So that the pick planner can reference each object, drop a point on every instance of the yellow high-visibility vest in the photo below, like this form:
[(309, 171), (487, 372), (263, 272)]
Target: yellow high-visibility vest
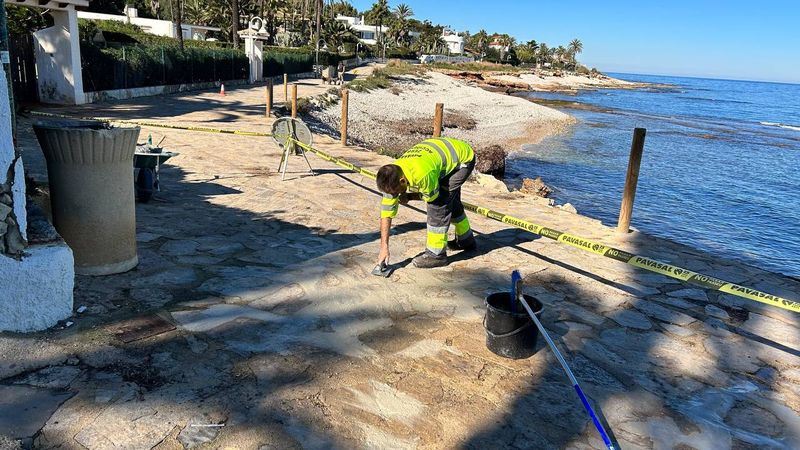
[(424, 164)]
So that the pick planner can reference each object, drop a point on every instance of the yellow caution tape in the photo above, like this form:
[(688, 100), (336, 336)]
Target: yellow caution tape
[(597, 248), (153, 124), (643, 262)]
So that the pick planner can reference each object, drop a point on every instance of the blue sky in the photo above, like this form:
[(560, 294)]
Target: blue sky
[(754, 40)]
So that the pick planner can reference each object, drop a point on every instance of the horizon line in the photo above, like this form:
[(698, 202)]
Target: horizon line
[(706, 77)]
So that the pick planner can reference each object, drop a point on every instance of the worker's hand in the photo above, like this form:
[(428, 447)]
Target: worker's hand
[(383, 256), (406, 197)]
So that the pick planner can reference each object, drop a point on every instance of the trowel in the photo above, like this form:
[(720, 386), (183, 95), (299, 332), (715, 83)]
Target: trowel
[(382, 270)]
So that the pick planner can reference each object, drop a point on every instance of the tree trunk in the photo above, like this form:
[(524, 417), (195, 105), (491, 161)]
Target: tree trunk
[(177, 13), (235, 25), (319, 22)]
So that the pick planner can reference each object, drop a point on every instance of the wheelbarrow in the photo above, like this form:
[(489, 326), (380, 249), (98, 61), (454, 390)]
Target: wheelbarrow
[(148, 159)]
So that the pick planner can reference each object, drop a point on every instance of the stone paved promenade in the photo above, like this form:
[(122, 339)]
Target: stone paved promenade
[(252, 322)]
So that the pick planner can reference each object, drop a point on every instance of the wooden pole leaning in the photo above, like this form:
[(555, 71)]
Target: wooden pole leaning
[(345, 106), (631, 180), (294, 101), (437, 120)]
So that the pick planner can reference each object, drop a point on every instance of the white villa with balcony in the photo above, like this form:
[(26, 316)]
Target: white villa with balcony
[(367, 34)]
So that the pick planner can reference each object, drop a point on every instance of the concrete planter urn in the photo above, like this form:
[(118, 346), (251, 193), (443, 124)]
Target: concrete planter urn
[(90, 169)]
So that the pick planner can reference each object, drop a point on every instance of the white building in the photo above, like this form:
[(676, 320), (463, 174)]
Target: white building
[(152, 26), (367, 34), (455, 43)]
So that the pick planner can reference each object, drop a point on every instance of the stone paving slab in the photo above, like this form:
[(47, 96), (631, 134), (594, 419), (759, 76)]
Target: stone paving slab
[(282, 334)]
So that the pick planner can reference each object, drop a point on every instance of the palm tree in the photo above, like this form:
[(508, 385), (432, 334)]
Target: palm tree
[(378, 13), (318, 6), (344, 8), (235, 22), (403, 11), (480, 41), (575, 47), (399, 27), (337, 33), (176, 17), (270, 16), (544, 53)]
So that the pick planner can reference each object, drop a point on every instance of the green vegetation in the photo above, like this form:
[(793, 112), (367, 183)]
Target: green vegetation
[(502, 48)]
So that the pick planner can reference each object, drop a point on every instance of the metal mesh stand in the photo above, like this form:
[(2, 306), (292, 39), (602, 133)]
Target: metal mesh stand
[(290, 147)]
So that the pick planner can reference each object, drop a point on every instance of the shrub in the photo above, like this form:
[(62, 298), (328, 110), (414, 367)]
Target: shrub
[(395, 68), (374, 81)]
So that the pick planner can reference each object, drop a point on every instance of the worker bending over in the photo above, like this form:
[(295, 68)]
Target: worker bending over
[(434, 170)]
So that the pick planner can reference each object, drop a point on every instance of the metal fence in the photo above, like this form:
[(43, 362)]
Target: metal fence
[(128, 67)]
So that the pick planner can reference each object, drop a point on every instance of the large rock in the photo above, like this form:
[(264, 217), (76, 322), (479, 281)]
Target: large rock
[(535, 187), (491, 161), (491, 183)]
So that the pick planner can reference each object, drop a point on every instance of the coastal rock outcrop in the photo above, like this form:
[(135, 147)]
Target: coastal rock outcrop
[(535, 187), (491, 161)]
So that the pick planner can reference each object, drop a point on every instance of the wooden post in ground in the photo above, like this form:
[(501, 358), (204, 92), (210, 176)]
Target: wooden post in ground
[(631, 179), (345, 98), (294, 101), (286, 88), (437, 120), (268, 94)]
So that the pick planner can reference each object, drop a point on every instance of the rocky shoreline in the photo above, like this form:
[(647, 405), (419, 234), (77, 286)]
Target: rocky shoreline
[(541, 81)]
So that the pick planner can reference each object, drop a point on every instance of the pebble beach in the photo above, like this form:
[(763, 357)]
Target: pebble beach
[(395, 118)]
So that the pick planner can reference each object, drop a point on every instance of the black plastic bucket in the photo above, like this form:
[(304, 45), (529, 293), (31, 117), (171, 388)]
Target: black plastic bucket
[(511, 334)]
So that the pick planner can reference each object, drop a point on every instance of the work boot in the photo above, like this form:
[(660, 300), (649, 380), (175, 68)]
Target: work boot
[(428, 260), (468, 245)]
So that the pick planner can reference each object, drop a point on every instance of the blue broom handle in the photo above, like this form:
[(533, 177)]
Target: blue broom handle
[(566, 368)]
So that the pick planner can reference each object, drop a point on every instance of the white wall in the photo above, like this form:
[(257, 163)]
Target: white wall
[(36, 288), (455, 43), (58, 60), (151, 26)]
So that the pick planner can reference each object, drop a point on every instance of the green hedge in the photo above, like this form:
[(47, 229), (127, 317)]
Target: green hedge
[(280, 60), (141, 66), (278, 63)]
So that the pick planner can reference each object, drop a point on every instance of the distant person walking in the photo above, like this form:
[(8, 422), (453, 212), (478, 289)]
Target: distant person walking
[(434, 169), (340, 72)]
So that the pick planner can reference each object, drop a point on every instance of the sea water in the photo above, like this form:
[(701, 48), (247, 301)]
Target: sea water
[(720, 170)]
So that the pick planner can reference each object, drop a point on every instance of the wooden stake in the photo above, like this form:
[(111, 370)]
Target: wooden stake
[(268, 93), (437, 120), (285, 88), (294, 101), (345, 98), (631, 179)]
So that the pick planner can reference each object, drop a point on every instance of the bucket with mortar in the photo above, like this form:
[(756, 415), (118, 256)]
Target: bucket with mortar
[(510, 332)]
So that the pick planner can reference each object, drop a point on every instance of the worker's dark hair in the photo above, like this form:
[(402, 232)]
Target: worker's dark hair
[(389, 178)]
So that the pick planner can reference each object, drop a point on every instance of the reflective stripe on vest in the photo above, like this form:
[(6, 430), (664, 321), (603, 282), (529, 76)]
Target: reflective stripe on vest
[(438, 150), (431, 143)]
